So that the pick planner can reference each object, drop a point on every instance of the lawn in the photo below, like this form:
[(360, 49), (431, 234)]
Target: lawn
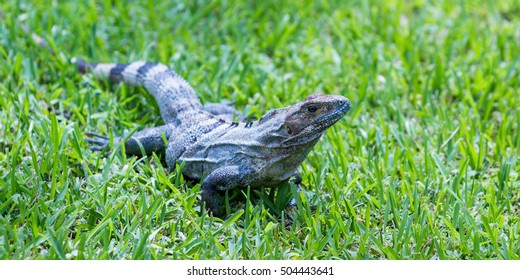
[(424, 166)]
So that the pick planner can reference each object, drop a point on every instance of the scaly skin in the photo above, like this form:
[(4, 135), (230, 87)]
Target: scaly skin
[(221, 153)]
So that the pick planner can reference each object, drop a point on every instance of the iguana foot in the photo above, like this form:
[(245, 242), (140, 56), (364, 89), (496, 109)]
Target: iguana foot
[(297, 180), (97, 142), (210, 199), (292, 203)]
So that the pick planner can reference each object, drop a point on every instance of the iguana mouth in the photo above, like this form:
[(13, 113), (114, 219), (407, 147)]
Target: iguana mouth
[(329, 119)]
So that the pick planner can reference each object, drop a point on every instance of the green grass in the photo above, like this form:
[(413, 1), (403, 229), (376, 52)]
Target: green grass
[(424, 166)]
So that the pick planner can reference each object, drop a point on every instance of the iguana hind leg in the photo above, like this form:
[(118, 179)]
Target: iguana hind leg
[(224, 111), (149, 139)]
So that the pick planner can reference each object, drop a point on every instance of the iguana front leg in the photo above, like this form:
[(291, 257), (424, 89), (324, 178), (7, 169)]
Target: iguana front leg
[(223, 178), (151, 140), (297, 180)]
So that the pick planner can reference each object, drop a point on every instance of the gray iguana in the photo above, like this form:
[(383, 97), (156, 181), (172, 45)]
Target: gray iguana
[(222, 153)]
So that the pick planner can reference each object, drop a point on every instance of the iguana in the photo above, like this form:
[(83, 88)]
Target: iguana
[(222, 153)]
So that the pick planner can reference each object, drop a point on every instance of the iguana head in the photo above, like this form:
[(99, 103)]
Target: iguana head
[(305, 122)]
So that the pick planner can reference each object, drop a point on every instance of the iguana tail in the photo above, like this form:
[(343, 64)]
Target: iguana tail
[(172, 93)]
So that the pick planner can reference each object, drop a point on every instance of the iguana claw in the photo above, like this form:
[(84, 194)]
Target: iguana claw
[(97, 142)]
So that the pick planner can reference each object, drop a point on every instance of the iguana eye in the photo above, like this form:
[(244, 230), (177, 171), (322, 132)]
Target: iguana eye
[(312, 108), (288, 129)]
